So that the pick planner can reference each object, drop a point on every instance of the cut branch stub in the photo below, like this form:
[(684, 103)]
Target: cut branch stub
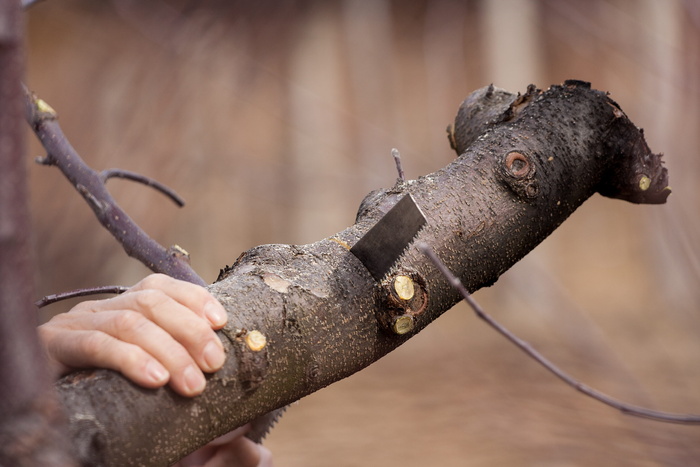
[(405, 297), (639, 175), (322, 312)]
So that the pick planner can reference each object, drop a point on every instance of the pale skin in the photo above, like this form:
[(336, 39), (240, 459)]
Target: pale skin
[(160, 331)]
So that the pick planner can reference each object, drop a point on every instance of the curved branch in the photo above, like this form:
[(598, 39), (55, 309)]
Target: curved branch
[(542, 360), (135, 177), (90, 184)]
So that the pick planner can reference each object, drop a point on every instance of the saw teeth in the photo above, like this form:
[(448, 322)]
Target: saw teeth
[(396, 267), (261, 426)]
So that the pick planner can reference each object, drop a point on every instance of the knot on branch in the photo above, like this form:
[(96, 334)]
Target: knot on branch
[(517, 171), (250, 348)]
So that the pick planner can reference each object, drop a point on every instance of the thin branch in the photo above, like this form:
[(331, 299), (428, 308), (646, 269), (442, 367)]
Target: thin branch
[(528, 349), (399, 167), (105, 289), (135, 177), (90, 184)]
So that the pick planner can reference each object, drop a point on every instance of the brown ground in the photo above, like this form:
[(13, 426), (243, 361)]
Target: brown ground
[(273, 119)]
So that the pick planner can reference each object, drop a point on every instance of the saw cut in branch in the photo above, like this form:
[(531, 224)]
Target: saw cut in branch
[(528, 349), (304, 316), (91, 185)]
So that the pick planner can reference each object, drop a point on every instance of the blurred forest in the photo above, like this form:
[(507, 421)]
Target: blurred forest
[(273, 119)]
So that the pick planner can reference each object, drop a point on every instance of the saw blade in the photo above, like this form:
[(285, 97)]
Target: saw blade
[(385, 242), (261, 426)]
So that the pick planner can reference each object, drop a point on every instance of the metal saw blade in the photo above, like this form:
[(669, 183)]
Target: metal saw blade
[(261, 426), (384, 243)]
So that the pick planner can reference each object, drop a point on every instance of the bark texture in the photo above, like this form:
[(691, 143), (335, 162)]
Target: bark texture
[(526, 162)]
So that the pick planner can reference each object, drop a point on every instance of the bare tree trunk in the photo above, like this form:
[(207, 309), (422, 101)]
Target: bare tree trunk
[(527, 162), (29, 413)]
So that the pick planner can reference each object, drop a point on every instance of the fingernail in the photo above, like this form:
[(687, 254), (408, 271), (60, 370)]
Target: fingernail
[(214, 355), (215, 314), (194, 380), (156, 372)]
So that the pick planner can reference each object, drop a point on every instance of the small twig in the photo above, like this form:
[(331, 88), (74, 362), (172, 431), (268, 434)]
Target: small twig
[(527, 348), (44, 160), (397, 160), (134, 177), (105, 289)]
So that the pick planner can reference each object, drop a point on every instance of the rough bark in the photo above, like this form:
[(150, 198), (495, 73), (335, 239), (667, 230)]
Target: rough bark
[(30, 417), (526, 163)]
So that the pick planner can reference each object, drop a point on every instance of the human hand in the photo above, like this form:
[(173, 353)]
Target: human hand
[(230, 450), (160, 330)]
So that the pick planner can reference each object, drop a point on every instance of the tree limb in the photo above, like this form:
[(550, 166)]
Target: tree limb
[(30, 416), (303, 317)]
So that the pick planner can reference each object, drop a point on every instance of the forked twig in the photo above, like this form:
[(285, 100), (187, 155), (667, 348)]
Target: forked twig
[(90, 184), (57, 297), (528, 349)]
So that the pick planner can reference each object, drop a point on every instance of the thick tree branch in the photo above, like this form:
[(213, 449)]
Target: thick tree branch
[(90, 184), (303, 317)]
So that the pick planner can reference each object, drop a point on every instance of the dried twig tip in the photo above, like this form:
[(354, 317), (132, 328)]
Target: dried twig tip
[(397, 160)]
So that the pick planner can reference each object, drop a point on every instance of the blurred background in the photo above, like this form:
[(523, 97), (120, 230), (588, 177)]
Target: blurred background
[(273, 119)]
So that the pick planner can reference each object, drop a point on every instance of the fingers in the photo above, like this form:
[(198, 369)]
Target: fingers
[(184, 352), (192, 296), (230, 450), (72, 349), (158, 331), (161, 313)]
